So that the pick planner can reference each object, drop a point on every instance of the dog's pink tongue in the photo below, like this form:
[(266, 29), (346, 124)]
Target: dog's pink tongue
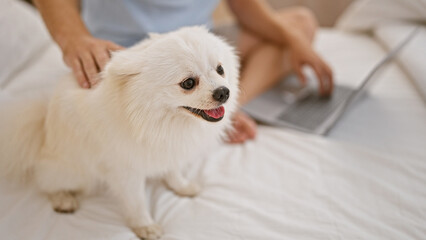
[(216, 113)]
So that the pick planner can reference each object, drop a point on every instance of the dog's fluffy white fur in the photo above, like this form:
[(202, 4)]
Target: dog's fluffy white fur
[(130, 127)]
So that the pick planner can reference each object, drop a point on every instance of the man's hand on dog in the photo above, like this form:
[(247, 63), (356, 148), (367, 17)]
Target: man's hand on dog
[(87, 56)]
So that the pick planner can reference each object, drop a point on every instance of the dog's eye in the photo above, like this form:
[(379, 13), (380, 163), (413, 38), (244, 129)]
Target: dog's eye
[(220, 70), (188, 84)]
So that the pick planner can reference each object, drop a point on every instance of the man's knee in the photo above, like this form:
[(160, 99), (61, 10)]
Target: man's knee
[(303, 17)]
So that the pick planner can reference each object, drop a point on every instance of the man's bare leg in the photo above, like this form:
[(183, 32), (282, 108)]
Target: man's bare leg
[(264, 64)]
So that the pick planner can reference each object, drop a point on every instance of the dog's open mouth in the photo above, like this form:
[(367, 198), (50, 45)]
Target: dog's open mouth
[(211, 115)]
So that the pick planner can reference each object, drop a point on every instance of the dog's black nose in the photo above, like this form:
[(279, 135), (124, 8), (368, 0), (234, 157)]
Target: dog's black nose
[(221, 94)]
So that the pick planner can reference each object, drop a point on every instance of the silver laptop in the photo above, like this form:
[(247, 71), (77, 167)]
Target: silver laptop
[(303, 109)]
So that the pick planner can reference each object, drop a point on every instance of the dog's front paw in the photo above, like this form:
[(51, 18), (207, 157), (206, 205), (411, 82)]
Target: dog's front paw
[(190, 190), (150, 232)]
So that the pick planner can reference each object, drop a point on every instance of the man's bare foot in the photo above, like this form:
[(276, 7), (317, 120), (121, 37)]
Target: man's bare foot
[(244, 128)]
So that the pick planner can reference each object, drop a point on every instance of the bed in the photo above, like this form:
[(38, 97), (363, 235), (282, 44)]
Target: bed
[(365, 180)]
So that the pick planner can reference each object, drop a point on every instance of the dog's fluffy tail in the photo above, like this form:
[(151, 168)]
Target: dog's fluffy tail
[(21, 134)]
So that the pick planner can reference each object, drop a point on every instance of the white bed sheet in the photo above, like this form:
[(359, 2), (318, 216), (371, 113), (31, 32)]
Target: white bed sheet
[(364, 181)]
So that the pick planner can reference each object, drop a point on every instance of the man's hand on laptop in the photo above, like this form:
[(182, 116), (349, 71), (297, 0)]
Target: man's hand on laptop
[(302, 54)]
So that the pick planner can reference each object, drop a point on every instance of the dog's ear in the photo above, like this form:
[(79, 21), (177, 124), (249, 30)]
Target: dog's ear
[(124, 63), (130, 61), (154, 36)]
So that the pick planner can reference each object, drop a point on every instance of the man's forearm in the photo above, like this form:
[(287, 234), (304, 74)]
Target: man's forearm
[(62, 18), (258, 17)]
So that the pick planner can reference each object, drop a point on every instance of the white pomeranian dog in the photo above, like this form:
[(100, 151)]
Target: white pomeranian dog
[(159, 103)]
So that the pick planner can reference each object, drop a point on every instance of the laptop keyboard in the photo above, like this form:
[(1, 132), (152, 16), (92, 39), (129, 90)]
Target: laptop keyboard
[(312, 111)]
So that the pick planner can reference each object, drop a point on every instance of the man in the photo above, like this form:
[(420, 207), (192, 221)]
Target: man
[(271, 43)]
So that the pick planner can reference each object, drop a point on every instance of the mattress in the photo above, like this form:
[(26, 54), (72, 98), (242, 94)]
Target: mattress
[(365, 180)]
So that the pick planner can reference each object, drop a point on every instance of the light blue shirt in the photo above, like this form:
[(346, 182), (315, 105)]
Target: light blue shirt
[(126, 22)]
